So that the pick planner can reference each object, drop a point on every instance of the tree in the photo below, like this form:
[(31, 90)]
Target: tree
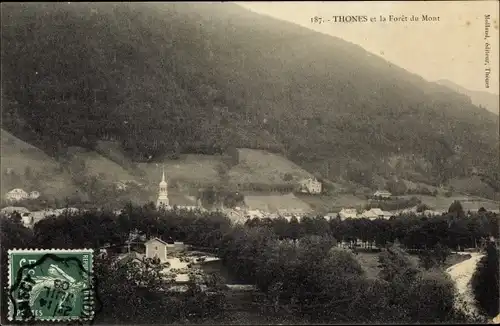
[(90, 229), (308, 279), (456, 209), (209, 197), (485, 282), (382, 231), (434, 257), (396, 264), (223, 173), (280, 227), (287, 177), (28, 175), (150, 291), (240, 249), (121, 284), (294, 229), (176, 151), (430, 298), (441, 253)]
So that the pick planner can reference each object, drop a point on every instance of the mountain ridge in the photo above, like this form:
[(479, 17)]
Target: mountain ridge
[(487, 100)]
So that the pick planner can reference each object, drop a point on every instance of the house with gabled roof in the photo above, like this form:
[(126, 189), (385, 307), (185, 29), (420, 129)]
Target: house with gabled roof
[(156, 249)]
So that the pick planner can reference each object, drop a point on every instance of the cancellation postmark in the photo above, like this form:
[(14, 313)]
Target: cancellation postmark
[(51, 285)]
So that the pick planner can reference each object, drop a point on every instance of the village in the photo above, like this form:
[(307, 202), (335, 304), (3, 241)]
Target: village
[(255, 205), (178, 257)]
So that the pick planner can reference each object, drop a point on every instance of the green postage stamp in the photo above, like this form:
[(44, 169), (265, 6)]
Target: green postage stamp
[(51, 285)]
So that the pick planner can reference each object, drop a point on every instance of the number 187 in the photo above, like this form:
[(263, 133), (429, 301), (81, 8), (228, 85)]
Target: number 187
[(316, 19)]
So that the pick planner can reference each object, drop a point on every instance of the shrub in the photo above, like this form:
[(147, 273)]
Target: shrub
[(287, 177)]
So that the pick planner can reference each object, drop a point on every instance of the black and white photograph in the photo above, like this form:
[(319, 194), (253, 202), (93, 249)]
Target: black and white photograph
[(237, 163)]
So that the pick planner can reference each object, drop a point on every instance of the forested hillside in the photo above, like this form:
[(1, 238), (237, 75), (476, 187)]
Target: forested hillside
[(200, 78), (487, 100)]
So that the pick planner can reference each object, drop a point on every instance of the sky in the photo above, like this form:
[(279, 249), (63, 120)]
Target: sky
[(452, 48)]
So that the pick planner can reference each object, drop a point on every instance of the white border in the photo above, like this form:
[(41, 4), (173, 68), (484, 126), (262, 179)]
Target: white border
[(10, 316)]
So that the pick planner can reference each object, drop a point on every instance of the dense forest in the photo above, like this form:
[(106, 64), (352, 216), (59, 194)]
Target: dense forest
[(201, 78)]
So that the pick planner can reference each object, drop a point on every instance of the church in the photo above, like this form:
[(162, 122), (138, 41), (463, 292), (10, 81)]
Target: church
[(162, 201), (168, 201)]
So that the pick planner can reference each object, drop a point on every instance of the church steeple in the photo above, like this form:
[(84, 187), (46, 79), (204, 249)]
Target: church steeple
[(163, 182), (162, 201)]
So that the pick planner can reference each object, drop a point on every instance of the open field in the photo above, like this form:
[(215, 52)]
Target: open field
[(369, 262), (18, 155), (189, 169), (274, 203), (258, 166), (255, 166), (333, 203), (96, 164)]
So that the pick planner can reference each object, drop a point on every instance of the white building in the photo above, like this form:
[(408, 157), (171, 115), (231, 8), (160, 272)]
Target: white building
[(311, 186), (162, 201), (16, 195), (156, 248), (348, 213), (382, 194)]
